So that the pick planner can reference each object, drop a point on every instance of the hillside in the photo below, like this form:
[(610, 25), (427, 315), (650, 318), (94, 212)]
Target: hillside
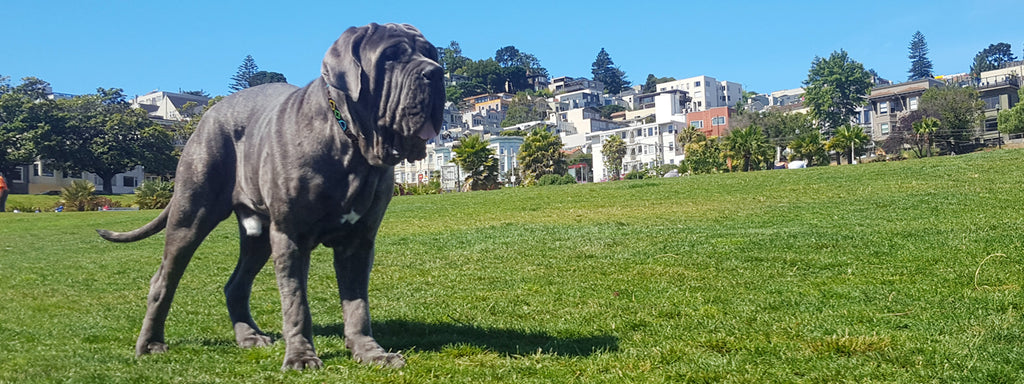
[(893, 272)]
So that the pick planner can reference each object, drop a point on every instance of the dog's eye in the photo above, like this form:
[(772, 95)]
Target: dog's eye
[(396, 51)]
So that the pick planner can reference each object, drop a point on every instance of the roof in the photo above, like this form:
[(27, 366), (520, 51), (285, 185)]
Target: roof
[(917, 86)]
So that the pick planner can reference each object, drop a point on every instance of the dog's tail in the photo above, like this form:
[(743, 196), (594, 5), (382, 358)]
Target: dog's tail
[(147, 230)]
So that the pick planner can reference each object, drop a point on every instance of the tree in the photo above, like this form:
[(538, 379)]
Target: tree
[(541, 154), (524, 108), (102, 134), (264, 77), (197, 93), (902, 135), (507, 56), (477, 159), (991, 58), (959, 110), (835, 87), (651, 85), (810, 147), (750, 145), (703, 155), (1012, 120), (688, 135), (184, 131), (605, 71), (23, 111), (847, 140), (451, 58), (920, 65), (613, 150), (925, 129), (245, 71), (608, 110)]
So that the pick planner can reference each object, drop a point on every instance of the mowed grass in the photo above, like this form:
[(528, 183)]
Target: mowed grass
[(891, 272)]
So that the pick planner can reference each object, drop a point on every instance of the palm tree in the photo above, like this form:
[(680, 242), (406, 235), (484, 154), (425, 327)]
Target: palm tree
[(541, 154), (847, 137), (811, 147), (474, 156), (926, 127), (748, 143), (686, 136)]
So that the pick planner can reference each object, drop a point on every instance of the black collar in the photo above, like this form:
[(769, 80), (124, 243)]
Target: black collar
[(337, 115)]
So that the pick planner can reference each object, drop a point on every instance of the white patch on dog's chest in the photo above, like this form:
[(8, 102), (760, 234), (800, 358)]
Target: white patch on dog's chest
[(351, 217)]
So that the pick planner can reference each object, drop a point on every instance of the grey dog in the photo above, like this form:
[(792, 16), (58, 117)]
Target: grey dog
[(301, 167)]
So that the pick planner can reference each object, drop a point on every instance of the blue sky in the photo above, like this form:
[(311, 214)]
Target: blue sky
[(141, 46)]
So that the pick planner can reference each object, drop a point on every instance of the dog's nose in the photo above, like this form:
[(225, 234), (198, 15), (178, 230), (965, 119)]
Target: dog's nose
[(432, 73)]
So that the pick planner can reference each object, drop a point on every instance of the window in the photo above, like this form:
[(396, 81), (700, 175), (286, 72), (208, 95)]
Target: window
[(883, 107), (697, 124), (991, 125), (128, 181), (17, 176), (723, 98), (696, 84), (718, 120), (885, 128), (671, 129), (650, 131), (912, 103)]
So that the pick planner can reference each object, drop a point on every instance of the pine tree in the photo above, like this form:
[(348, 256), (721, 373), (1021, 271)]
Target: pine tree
[(605, 71), (240, 80), (920, 66)]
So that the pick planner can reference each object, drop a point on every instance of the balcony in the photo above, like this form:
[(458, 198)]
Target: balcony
[(1005, 82)]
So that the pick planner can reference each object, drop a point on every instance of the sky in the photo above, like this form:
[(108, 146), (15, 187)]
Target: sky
[(142, 46)]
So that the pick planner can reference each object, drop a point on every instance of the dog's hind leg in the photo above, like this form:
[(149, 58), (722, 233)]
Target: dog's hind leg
[(187, 226), (254, 253)]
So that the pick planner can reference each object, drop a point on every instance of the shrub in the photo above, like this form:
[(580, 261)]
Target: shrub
[(79, 196), (552, 179), (431, 187), (154, 194)]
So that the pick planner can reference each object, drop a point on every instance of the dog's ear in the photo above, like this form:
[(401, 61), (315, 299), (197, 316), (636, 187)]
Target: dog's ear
[(341, 68)]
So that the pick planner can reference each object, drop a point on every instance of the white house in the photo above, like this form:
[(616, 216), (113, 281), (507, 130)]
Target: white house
[(163, 107), (706, 92), (647, 146)]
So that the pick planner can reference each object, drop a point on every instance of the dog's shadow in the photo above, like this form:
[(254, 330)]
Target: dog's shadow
[(403, 335)]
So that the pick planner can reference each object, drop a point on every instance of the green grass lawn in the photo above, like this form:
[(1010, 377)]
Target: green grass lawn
[(890, 272)]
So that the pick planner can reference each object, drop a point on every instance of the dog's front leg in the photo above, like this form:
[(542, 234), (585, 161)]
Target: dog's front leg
[(291, 264), (352, 268)]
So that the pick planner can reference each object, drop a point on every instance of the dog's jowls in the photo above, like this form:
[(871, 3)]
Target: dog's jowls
[(296, 177)]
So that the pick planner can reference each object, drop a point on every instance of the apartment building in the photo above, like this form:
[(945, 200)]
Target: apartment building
[(647, 146), (711, 122), (889, 103), (706, 92)]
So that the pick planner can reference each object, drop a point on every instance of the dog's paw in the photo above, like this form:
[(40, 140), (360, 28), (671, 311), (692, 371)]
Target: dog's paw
[(254, 340), (383, 359), (301, 361), (150, 348), (387, 360)]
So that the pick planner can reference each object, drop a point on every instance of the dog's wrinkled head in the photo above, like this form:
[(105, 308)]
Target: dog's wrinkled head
[(391, 76)]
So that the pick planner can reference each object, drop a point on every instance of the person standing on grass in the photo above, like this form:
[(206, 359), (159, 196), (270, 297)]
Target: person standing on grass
[(3, 194)]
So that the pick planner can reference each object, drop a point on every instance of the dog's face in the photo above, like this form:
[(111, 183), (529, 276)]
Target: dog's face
[(391, 71)]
